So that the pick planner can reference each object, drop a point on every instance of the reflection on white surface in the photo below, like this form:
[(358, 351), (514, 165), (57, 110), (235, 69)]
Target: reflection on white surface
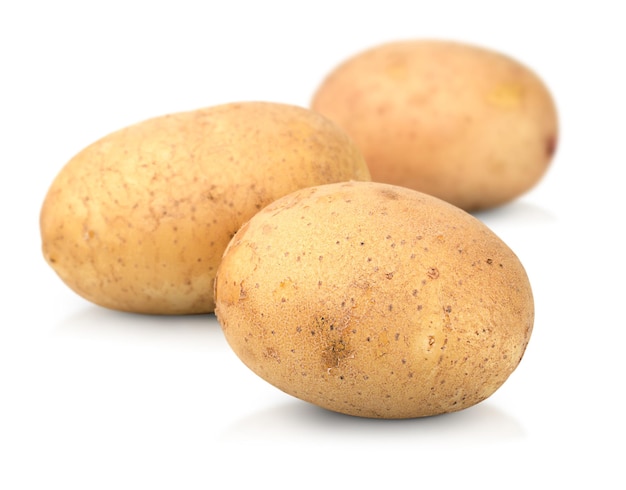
[(300, 421)]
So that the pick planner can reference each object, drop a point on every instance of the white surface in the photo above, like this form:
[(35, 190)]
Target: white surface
[(94, 399)]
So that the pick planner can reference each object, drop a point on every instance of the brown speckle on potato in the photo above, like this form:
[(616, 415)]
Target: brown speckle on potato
[(433, 273)]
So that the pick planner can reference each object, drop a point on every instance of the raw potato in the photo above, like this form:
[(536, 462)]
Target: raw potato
[(374, 300), (461, 122), (138, 221)]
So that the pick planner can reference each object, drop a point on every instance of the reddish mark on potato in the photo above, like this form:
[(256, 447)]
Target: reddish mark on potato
[(551, 144)]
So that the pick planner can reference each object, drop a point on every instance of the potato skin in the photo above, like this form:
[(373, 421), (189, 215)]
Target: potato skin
[(461, 122), (374, 300), (138, 220)]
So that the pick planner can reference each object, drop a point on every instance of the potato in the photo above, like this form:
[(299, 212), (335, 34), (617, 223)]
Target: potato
[(138, 220), (374, 300), (461, 122)]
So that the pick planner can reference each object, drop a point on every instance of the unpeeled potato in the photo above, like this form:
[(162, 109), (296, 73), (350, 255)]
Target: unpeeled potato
[(464, 123), (138, 220), (374, 300)]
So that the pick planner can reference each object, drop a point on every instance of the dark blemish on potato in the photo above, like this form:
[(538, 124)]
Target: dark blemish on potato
[(433, 273), (335, 352), (390, 307), (321, 257), (419, 307), (389, 194), (551, 144), (448, 309), (431, 341), (272, 354), (368, 339), (362, 243), (397, 336), (414, 292), (389, 275), (490, 261)]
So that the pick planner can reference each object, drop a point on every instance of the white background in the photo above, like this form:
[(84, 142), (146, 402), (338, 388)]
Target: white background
[(94, 399)]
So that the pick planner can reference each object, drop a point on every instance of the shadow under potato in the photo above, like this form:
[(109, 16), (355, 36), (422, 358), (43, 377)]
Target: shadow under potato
[(518, 212), (97, 323), (298, 421)]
